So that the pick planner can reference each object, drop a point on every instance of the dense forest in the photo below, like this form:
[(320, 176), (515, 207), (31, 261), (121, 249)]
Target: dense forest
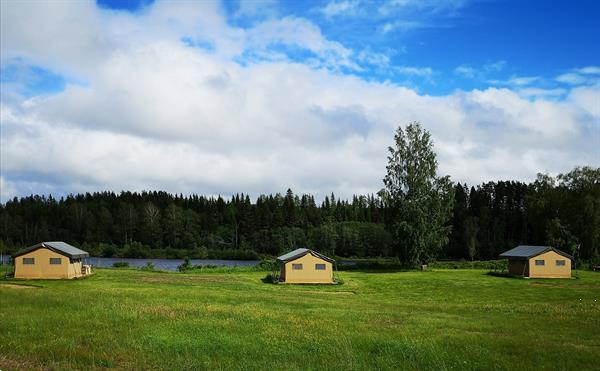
[(487, 219)]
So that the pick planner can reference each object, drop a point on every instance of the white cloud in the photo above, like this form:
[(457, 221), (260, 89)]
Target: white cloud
[(590, 70), (480, 73), (7, 190), (402, 25), (340, 8), (297, 32), (416, 71), (571, 78), (581, 76), (157, 114), (465, 71), (539, 92), (523, 80), (257, 8)]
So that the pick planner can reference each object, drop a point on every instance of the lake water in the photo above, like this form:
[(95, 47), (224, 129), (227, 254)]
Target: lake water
[(164, 264), (168, 264)]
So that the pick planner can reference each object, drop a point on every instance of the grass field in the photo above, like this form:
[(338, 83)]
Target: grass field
[(444, 319)]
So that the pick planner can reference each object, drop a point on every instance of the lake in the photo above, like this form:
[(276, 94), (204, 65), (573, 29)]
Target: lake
[(168, 264), (164, 264)]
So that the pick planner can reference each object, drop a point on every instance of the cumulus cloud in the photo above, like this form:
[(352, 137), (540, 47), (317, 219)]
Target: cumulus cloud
[(158, 114)]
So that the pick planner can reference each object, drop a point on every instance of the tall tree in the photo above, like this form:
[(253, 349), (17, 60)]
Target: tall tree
[(420, 201)]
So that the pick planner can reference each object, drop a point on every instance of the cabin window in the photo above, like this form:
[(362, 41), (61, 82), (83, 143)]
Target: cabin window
[(560, 263), (320, 267), (297, 267), (28, 260), (56, 261), (540, 262)]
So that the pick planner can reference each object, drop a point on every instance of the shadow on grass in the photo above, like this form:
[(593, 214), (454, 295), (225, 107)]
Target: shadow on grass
[(270, 278)]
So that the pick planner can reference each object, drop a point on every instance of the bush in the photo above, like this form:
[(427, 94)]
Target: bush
[(120, 265), (186, 266), (148, 267), (267, 265)]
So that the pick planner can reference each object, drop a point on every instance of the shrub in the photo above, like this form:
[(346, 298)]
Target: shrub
[(186, 265), (148, 267), (267, 265), (120, 265)]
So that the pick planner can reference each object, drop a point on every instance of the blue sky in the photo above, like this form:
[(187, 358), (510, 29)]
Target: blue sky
[(432, 46), (500, 40), (221, 97)]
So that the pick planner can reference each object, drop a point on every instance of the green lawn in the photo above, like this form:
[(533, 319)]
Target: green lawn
[(453, 319)]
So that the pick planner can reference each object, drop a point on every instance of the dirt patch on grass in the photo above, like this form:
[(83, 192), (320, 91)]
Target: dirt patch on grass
[(14, 286), (13, 364)]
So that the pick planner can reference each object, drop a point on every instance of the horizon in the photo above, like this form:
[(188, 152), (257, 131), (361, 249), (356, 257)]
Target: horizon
[(208, 98)]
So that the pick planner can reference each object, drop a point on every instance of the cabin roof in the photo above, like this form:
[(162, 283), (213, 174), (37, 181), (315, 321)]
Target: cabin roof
[(293, 255), (56, 246), (526, 252)]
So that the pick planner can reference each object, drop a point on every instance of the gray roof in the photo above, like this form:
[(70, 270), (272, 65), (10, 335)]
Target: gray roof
[(298, 253), (526, 252), (58, 247)]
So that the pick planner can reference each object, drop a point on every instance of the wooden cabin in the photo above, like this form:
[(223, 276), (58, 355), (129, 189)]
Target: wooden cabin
[(538, 262), (50, 260), (305, 266)]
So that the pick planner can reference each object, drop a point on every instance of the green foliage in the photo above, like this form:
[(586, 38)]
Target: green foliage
[(148, 267), (120, 265), (559, 236), (440, 320), (186, 265), (420, 201), (471, 230), (162, 225)]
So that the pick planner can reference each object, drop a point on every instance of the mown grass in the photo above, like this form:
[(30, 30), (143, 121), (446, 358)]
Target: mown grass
[(443, 319)]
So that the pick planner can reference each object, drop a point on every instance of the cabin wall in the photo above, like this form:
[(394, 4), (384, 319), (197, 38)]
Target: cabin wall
[(308, 273), (42, 269), (550, 269)]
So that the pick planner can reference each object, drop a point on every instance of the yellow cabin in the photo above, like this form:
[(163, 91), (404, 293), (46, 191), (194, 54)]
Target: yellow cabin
[(305, 266), (538, 262), (50, 260)]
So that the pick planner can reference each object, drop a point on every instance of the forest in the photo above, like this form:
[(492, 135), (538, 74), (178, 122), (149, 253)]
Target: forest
[(487, 219)]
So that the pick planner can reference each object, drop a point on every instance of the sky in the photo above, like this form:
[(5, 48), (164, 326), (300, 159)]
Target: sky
[(261, 96)]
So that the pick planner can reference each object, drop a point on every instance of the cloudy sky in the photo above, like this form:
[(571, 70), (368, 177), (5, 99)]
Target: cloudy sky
[(258, 96)]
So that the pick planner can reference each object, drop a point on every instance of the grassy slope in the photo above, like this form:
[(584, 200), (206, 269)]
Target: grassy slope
[(409, 320)]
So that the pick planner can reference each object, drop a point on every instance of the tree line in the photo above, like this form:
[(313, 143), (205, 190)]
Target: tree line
[(419, 216), (485, 220)]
